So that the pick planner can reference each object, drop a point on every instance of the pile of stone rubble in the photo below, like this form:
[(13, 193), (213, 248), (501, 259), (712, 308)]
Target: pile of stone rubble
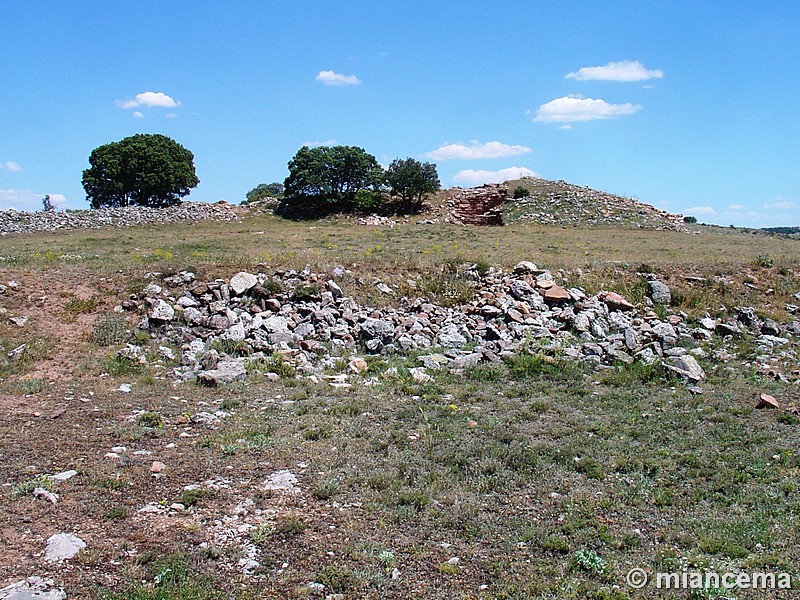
[(307, 321), (561, 203), (12, 221)]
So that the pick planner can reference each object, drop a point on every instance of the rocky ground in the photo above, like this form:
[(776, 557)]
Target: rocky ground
[(456, 429)]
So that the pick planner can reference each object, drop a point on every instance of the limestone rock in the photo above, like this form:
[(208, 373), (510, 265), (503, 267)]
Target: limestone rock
[(242, 281), (686, 366), (63, 546)]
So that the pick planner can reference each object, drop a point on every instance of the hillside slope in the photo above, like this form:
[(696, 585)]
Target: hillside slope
[(562, 203)]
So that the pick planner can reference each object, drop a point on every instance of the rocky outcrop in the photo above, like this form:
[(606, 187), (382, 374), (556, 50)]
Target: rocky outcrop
[(12, 221), (478, 206)]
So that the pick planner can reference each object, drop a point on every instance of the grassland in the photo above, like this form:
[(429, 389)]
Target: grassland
[(516, 480)]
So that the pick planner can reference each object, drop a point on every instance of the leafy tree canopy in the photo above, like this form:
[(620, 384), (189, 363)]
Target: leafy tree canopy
[(264, 190), (331, 174), (412, 181), (144, 169)]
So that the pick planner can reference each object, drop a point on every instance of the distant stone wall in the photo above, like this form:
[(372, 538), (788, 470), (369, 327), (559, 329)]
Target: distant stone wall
[(12, 221), (478, 206)]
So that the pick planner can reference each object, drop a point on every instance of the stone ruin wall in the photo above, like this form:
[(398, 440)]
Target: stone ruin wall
[(478, 206)]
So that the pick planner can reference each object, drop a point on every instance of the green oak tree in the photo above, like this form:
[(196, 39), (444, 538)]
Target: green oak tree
[(143, 169), (330, 175), (412, 180)]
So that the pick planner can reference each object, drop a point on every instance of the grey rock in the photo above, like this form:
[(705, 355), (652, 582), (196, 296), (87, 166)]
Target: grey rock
[(32, 588), (161, 311), (525, 267), (225, 372), (659, 292), (63, 546), (242, 281), (450, 336), (686, 366), (466, 361)]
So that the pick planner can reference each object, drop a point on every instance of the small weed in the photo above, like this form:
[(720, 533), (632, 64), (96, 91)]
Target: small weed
[(110, 483), (305, 292), (30, 385), (233, 348), (326, 488), (110, 329), (589, 562), (117, 513), (191, 496), (80, 306), (290, 525), (119, 366), (337, 580), (152, 420), (25, 488)]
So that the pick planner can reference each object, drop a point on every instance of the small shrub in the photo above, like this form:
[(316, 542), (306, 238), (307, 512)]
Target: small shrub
[(151, 420), (80, 306), (305, 292), (367, 201), (449, 289), (109, 330), (521, 192), (119, 366), (326, 488), (233, 348), (689, 219), (589, 562), (30, 385), (25, 488), (765, 262), (290, 525), (192, 496)]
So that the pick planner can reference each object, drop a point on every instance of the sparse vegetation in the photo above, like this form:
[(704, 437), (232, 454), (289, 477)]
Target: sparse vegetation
[(541, 479)]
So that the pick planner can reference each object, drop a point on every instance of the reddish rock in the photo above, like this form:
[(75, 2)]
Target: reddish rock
[(617, 302), (556, 294), (767, 401)]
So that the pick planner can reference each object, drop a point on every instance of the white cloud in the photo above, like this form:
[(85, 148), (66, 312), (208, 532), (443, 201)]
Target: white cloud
[(476, 151), (320, 143), (138, 114), (570, 109), (28, 200), (736, 207), (624, 70), (472, 177), (12, 166), (331, 78), (152, 99), (699, 210), (781, 205)]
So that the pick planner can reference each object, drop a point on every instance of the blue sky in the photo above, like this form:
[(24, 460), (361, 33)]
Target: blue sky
[(690, 106)]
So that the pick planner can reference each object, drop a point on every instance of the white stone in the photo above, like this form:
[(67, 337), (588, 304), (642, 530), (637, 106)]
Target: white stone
[(63, 546)]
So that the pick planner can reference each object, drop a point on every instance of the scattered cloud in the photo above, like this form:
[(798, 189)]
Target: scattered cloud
[(149, 99), (320, 143), (570, 109), (624, 70), (331, 78), (12, 166), (736, 207), (699, 210), (781, 204), (472, 177), (28, 200), (476, 151), (138, 114)]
